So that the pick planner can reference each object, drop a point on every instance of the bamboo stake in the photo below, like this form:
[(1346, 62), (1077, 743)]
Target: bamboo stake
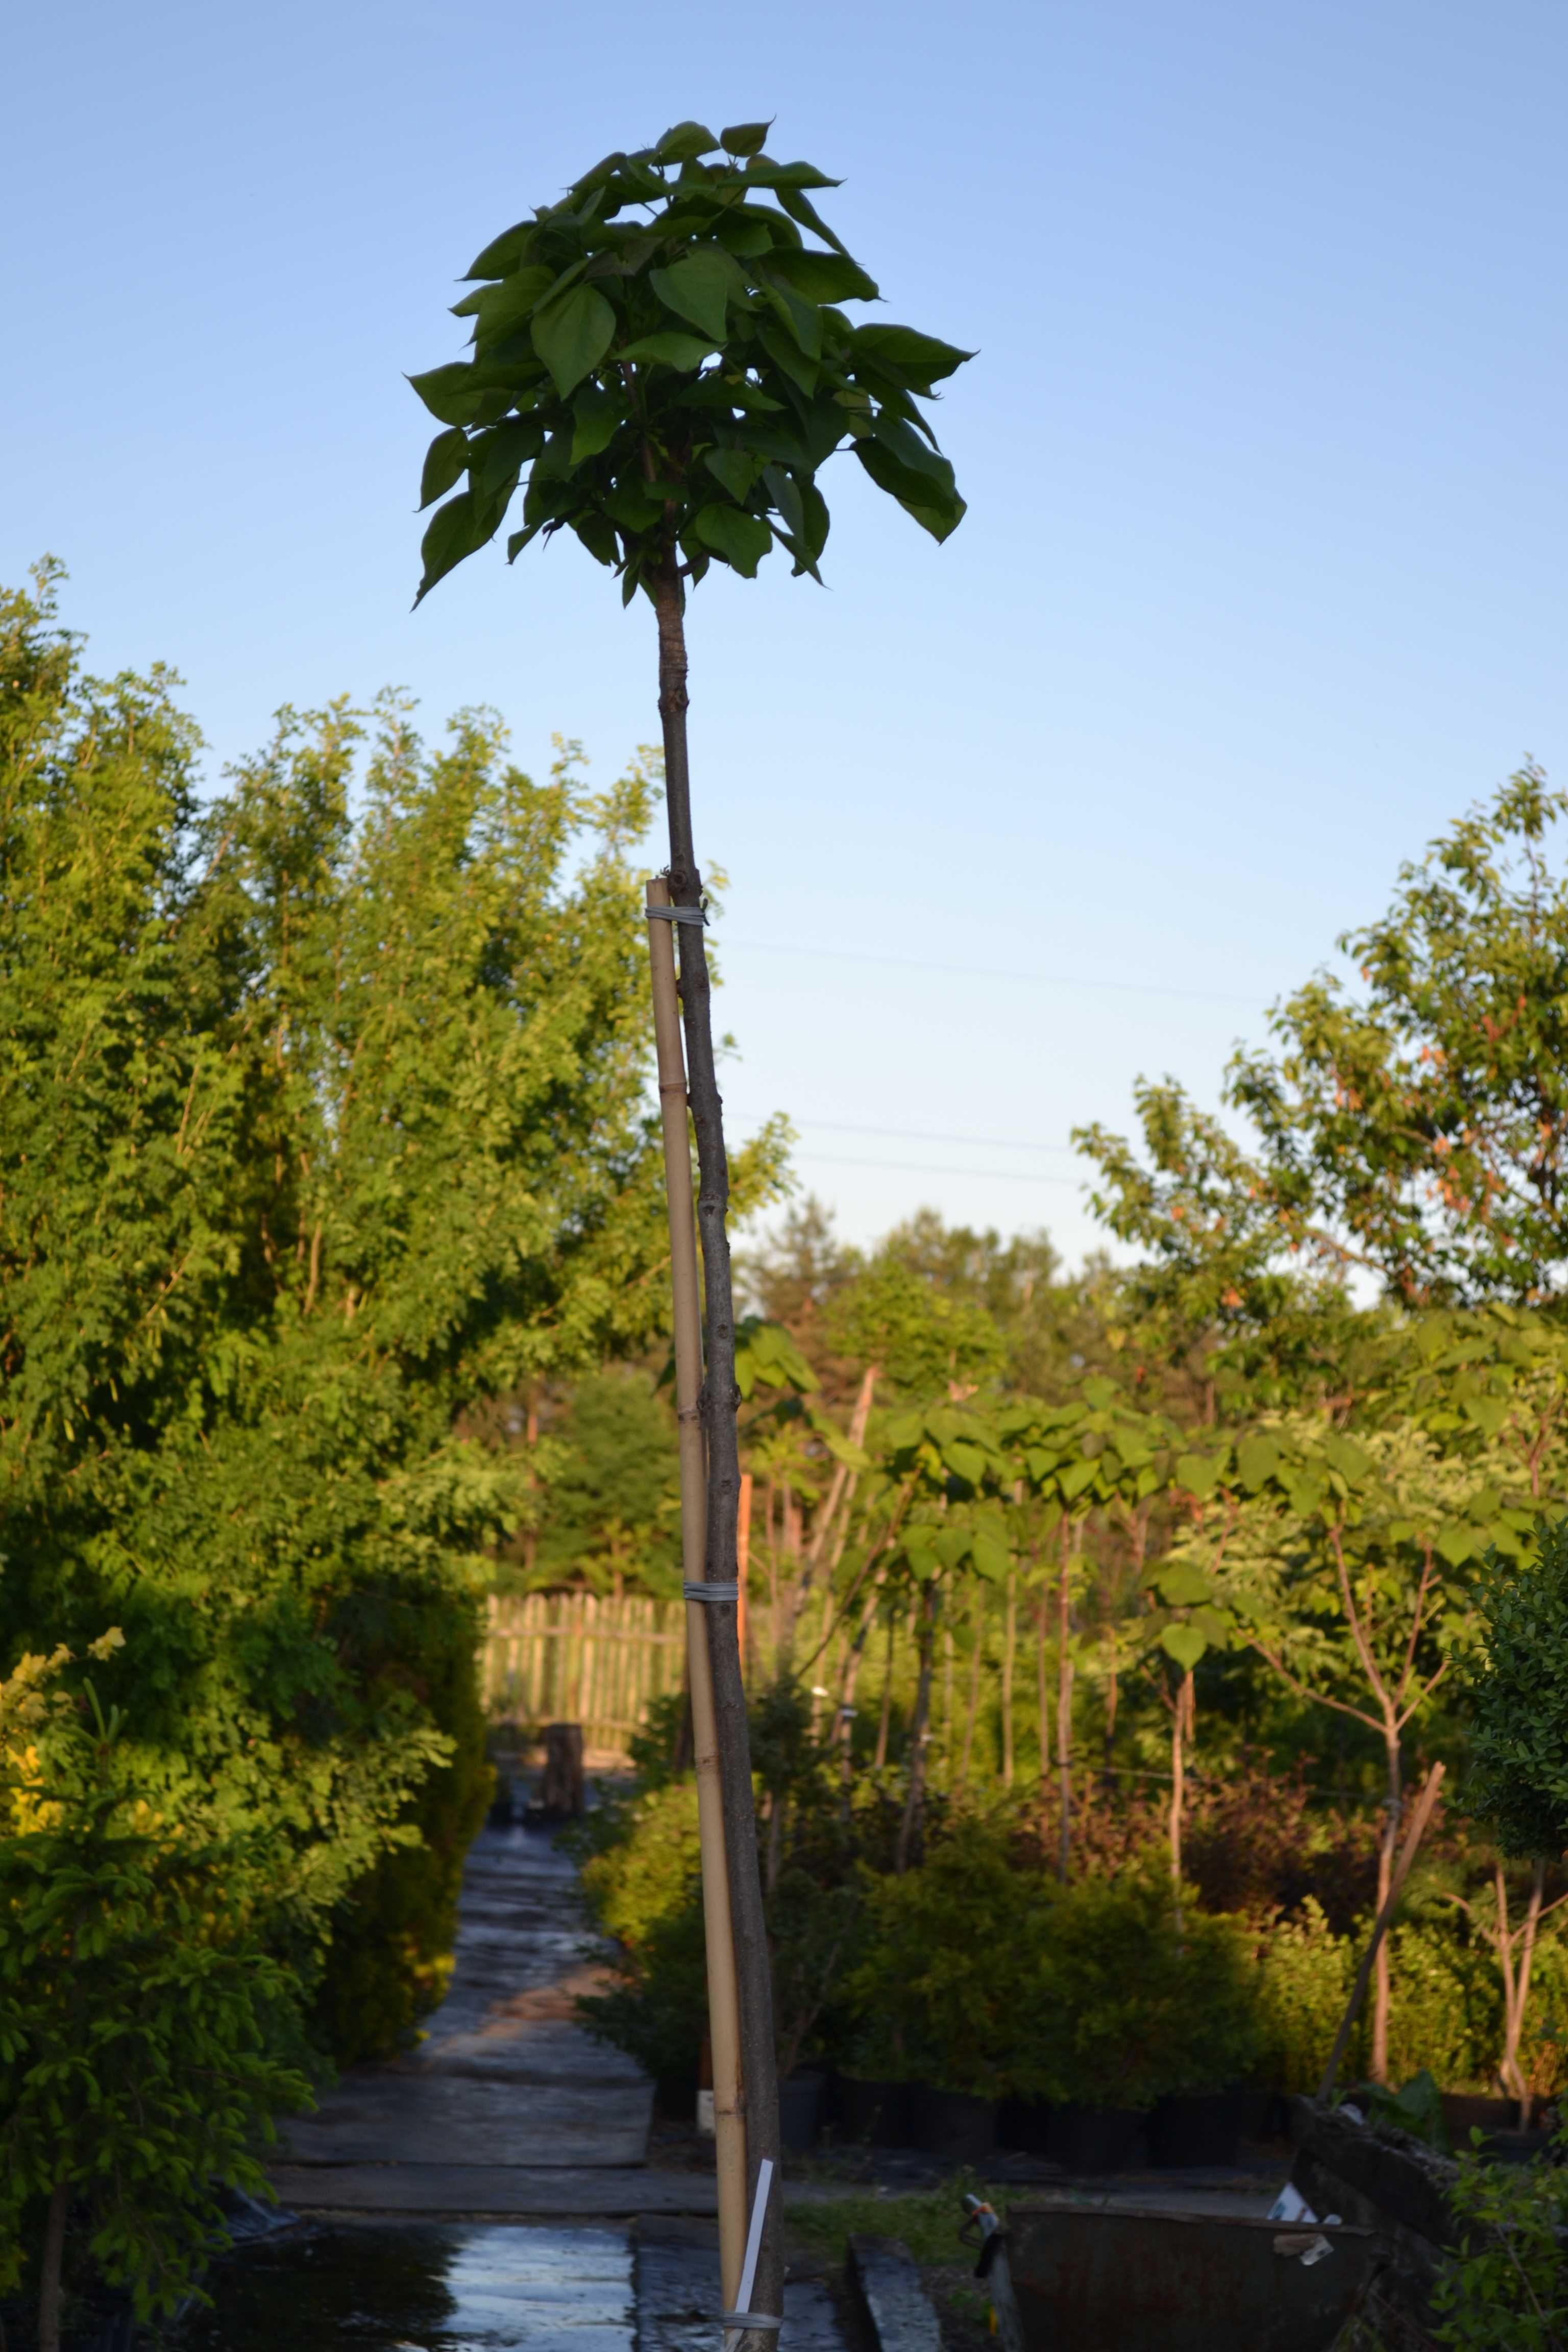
[(742, 1563), (724, 2000), (1413, 1837)]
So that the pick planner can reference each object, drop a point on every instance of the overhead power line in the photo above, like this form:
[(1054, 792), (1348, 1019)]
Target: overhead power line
[(804, 951), (923, 1168), (927, 1134)]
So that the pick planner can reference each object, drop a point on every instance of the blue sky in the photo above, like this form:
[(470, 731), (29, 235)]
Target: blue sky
[(1263, 449)]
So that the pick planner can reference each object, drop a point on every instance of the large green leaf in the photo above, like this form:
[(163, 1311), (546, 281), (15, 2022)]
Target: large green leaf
[(921, 359), (745, 138), (1184, 1644), (501, 310), (444, 460), (965, 1461), (597, 415), (1076, 1478), (1256, 1460), (824, 276), (923, 501), (1182, 1585), (571, 335), (762, 172), (502, 253), (454, 531), (684, 142), (742, 540), (1198, 1474), (699, 287), (785, 355), (990, 1556), (453, 393), (669, 349), (733, 469), (498, 456), (1487, 1412)]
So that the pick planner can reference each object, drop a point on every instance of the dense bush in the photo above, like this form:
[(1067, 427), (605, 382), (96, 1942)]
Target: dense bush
[(1135, 1999), (951, 1969)]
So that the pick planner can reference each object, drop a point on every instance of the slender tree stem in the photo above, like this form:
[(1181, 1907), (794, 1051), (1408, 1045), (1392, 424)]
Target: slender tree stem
[(1381, 1985), (720, 1397), (914, 1803), (51, 2270)]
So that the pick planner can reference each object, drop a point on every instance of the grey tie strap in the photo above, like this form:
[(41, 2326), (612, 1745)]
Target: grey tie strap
[(712, 1588), (675, 914), (749, 2319)]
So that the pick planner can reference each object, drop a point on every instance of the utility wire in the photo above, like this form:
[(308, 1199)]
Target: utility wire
[(924, 1167), (927, 1134), (804, 952)]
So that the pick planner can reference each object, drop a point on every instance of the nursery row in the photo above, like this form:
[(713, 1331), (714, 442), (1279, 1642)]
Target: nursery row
[(978, 1975)]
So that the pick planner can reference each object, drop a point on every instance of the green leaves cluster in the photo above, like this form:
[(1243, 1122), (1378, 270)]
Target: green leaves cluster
[(662, 360)]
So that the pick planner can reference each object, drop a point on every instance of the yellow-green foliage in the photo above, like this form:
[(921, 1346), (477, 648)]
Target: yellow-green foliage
[(1303, 1981), (647, 1875), (1445, 2007)]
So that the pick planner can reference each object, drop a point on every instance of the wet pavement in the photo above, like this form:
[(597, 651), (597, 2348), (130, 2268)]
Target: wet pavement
[(422, 2287), (505, 2092)]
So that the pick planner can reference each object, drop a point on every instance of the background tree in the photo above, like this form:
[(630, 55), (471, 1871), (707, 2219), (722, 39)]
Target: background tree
[(664, 352), (314, 1135), (1423, 1129)]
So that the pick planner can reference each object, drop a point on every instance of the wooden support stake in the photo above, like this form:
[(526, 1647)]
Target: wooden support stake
[(724, 2000), (1413, 1837), (742, 1562)]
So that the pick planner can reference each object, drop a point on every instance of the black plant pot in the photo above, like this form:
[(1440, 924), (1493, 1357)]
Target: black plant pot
[(1025, 2125), (1096, 2139), (872, 2112), (951, 2124), (1462, 2115), (802, 2099), (1195, 2128)]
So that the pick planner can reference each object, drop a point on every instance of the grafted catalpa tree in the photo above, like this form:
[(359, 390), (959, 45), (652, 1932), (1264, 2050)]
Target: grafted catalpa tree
[(662, 366)]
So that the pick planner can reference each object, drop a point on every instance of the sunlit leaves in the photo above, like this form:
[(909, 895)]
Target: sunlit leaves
[(653, 326)]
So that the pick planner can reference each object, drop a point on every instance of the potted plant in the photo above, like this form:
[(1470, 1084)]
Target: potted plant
[(940, 1989), (1136, 2005)]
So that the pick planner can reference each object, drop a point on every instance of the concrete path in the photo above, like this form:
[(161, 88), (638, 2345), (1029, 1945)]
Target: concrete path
[(507, 2107)]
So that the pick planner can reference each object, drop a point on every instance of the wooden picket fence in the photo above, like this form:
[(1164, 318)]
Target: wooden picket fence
[(575, 1657)]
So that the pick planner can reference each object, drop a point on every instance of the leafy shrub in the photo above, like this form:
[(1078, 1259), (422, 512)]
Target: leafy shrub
[(643, 1880), (390, 1959), (1446, 2014), (1131, 2002), (647, 1872), (1304, 1975), (146, 2031), (951, 1965), (1521, 1698), (1504, 2288)]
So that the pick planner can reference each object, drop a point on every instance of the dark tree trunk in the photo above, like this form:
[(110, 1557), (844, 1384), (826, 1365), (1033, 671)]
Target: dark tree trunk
[(720, 1397)]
